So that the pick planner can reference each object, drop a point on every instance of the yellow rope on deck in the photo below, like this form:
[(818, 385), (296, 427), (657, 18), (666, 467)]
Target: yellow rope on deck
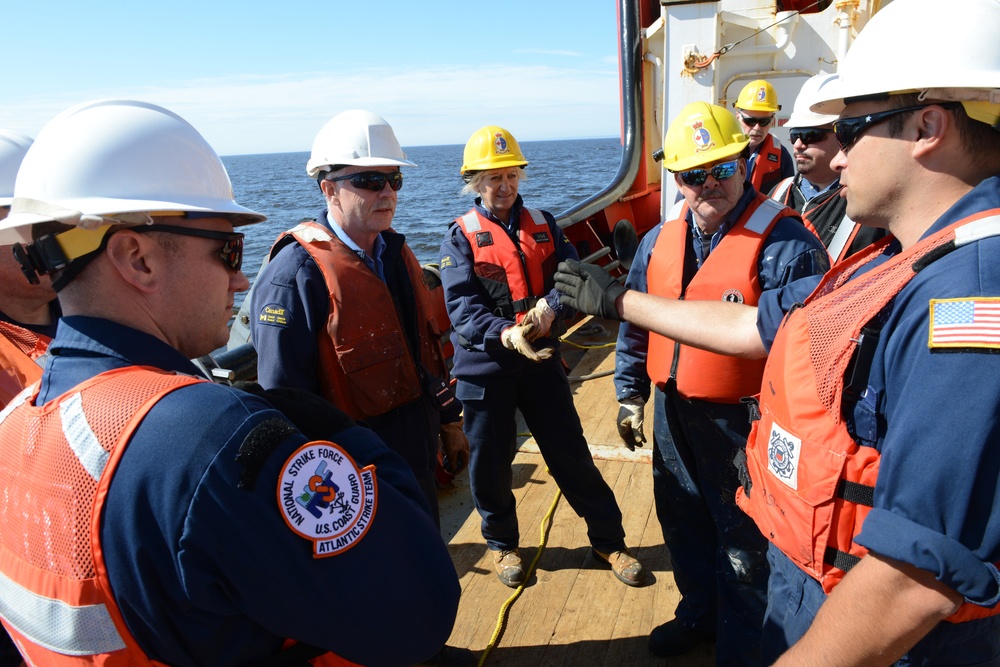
[(505, 608), (600, 346)]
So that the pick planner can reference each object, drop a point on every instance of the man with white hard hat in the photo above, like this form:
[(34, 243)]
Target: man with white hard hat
[(342, 309), (147, 514), (873, 463), (815, 189), (28, 311)]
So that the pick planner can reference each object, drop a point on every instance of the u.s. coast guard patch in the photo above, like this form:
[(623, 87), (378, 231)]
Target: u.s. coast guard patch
[(783, 452), (326, 498)]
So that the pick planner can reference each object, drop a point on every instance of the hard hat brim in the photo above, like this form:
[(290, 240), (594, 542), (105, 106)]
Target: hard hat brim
[(16, 227), (731, 150), (314, 169)]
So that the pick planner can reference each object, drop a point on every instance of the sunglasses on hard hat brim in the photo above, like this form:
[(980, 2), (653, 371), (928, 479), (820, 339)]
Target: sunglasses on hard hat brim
[(373, 180)]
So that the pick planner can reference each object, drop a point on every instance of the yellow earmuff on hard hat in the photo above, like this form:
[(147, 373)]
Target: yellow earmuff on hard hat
[(491, 147), (700, 134), (758, 95)]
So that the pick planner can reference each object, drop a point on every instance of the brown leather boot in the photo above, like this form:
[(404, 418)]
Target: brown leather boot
[(509, 567), (624, 565)]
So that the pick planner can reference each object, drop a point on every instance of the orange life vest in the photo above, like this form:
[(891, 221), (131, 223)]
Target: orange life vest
[(767, 165), (514, 275), (811, 483), (20, 350), (729, 274), (366, 365), (59, 460)]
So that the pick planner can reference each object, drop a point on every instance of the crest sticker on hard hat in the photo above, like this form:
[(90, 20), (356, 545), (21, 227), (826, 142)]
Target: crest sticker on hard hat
[(500, 143), (701, 136), (324, 497), (761, 94)]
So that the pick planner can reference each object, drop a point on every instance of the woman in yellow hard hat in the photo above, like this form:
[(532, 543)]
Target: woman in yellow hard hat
[(770, 162), (497, 267)]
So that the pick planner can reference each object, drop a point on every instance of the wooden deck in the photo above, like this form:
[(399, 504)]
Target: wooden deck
[(572, 611)]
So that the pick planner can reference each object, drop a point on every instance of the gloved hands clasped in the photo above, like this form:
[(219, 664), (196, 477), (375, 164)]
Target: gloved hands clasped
[(538, 321), (629, 422), (588, 288), (513, 338)]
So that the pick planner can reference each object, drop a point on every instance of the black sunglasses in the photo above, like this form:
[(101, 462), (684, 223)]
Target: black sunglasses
[(750, 121), (808, 136), (719, 172), (231, 253), (849, 130), (373, 180)]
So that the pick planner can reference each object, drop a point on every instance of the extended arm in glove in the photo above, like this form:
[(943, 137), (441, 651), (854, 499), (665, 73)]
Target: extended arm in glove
[(588, 288)]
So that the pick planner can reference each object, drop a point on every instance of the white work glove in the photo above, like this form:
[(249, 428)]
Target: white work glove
[(630, 422), (538, 321), (513, 339)]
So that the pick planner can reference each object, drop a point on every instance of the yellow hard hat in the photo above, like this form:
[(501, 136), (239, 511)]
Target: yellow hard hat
[(491, 147), (700, 134), (758, 95)]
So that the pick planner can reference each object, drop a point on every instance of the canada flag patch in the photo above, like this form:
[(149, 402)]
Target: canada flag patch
[(325, 498)]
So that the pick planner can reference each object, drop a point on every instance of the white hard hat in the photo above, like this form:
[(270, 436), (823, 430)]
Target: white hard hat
[(812, 90), (947, 51), (99, 160), (13, 146), (358, 138)]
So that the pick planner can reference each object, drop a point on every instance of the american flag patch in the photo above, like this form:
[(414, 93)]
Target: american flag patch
[(965, 322)]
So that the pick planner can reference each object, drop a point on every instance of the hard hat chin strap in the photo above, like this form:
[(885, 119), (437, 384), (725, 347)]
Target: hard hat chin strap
[(69, 252)]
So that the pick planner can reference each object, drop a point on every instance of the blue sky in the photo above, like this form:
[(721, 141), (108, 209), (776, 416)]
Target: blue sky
[(264, 76)]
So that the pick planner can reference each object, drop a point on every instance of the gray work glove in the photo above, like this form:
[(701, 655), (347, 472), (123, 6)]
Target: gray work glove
[(513, 338), (538, 321), (588, 288), (629, 422)]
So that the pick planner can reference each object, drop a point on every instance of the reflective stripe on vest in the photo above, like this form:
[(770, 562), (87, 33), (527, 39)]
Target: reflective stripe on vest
[(841, 239), (56, 602), (51, 623), (84, 630)]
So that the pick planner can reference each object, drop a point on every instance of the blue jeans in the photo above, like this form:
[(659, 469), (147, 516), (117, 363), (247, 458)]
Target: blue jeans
[(718, 554), (544, 398)]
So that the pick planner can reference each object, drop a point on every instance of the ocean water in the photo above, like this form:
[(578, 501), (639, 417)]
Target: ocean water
[(560, 174)]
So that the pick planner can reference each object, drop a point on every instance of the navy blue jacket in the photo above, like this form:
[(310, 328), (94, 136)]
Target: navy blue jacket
[(206, 573)]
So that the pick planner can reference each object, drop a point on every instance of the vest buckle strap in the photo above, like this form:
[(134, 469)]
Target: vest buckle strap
[(854, 492), (840, 559)]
